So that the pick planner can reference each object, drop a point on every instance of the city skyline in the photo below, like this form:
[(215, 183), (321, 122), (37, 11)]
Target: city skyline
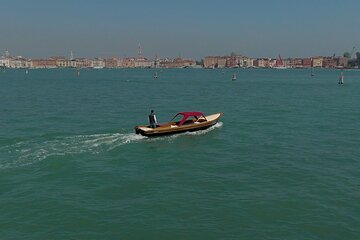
[(188, 29)]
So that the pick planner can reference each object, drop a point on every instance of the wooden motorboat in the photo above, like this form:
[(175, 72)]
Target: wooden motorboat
[(190, 122)]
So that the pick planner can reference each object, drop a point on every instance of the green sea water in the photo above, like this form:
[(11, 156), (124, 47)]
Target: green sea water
[(283, 162)]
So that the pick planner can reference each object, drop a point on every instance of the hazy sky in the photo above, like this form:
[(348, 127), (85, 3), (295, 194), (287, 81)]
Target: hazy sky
[(187, 28)]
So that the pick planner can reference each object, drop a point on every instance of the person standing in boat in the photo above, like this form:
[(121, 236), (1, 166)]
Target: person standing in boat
[(152, 119)]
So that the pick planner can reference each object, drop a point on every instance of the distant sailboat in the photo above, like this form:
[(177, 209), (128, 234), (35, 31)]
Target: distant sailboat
[(341, 78), (78, 72), (233, 77), (312, 68), (26, 72), (156, 75), (280, 64)]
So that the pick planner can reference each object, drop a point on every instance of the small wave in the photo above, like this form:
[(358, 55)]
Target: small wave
[(28, 152)]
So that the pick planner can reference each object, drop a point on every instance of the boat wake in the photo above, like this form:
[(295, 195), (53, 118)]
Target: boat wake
[(197, 133), (217, 125), (28, 152)]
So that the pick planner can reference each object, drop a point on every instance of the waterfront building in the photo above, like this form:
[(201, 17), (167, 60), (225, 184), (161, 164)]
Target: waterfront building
[(73, 63), (232, 61), (210, 61), (98, 63), (5, 62), (307, 62), (187, 63), (261, 62), (342, 62), (143, 63), (111, 63), (221, 62), (245, 62), (43, 63), (61, 62), (177, 63), (296, 62), (128, 63), (329, 62), (218, 62), (273, 63), (317, 62), (17, 62), (287, 62), (156, 62), (28, 63), (257, 63), (83, 63), (120, 63)]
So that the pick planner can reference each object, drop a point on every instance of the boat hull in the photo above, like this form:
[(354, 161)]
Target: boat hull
[(171, 128)]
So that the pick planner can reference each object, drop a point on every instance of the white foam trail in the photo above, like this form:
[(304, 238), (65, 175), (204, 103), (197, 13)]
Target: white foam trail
[(29, 152), (197, 133), (202, 132)]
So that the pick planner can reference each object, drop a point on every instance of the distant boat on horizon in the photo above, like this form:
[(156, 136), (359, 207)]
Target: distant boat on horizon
[(341, 78), (312, 68), (233, 77), (312, 72), (280, 64), (155, 75)]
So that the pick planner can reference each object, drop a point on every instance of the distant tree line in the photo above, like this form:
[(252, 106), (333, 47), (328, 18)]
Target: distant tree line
[(353, 62)]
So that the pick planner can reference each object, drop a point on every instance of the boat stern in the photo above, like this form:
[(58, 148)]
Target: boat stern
[(143, 130), (137, 130)]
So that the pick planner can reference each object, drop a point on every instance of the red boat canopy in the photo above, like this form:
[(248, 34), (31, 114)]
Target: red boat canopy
[(186, 115)]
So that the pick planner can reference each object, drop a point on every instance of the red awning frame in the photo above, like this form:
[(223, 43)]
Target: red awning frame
[(186, 115)]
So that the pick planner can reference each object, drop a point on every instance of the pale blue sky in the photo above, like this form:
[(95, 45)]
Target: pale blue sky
[(189, 28)]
